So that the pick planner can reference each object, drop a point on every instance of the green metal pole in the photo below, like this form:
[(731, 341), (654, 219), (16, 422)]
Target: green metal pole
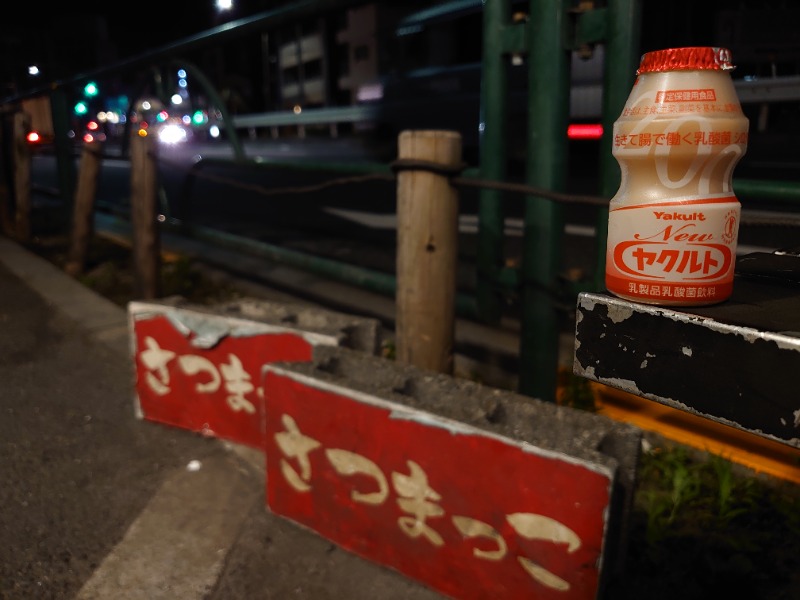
[(548, 114), (491, 218), (756, 190), (621, 62)]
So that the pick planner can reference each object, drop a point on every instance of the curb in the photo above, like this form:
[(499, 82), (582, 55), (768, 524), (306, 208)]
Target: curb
[(103, 319)]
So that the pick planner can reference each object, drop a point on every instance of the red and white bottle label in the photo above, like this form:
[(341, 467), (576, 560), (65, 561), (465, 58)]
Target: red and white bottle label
[(675, 252)]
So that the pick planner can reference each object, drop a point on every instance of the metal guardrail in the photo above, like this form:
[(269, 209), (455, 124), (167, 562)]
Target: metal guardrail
[(750, 91), (768, 89), (307, 116)]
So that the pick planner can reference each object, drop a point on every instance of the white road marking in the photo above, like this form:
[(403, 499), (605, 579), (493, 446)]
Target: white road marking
[(176, 547)]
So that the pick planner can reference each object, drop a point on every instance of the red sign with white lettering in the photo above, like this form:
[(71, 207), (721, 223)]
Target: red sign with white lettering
[(467, 512), (214, 391)]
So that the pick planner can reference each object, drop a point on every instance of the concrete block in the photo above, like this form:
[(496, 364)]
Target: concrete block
[(199, 367), (473, 491)]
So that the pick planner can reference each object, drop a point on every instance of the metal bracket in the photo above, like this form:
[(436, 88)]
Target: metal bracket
[(514, 39), (589, 26)]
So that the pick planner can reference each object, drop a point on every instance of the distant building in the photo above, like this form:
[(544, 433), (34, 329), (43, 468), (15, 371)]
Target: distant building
[(334, 61)]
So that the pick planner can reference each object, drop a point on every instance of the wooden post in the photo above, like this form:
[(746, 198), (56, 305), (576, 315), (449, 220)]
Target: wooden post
[(83, 210), (22, 177), (427, 252), (7, 166), (146, 244)]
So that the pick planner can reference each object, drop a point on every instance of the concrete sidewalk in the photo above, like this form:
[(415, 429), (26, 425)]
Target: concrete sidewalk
[(100, 504)]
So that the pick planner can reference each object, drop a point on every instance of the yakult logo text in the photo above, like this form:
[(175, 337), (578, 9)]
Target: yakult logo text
[(670, 216)]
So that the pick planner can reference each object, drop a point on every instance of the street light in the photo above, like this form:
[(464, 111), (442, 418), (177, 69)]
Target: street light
[(224, 5), (90, 90)]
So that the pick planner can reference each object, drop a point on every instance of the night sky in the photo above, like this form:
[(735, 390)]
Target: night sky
[(132, 27), (170, 22), (57, 36), (62, 39)]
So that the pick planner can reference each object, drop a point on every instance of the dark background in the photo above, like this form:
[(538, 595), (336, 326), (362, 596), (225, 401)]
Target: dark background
[(762, 34)]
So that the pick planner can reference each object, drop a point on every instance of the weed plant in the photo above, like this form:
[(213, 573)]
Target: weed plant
[(703, 531)]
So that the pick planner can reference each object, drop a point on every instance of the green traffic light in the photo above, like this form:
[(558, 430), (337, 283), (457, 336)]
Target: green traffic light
[(91, 89), (81, 108)]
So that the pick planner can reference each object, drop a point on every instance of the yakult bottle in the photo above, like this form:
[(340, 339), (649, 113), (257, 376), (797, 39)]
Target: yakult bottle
[(674, 222)]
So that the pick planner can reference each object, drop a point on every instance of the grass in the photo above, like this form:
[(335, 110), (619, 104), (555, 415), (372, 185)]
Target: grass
[(702, 527), (699, 529), (715, 532)]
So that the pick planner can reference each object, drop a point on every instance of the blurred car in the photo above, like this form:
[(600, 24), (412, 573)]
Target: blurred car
[(94, 132), (178, 129)]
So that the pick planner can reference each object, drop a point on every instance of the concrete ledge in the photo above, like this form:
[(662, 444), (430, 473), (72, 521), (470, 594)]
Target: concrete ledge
[(100, 316), (357, 333)]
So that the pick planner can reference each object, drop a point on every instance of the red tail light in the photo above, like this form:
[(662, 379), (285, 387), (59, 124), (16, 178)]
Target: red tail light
[(585, 131)]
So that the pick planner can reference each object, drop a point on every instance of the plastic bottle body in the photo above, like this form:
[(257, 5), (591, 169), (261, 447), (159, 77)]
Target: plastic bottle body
[(673, 224)]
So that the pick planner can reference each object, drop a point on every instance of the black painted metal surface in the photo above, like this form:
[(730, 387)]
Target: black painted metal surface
[(737, 363)]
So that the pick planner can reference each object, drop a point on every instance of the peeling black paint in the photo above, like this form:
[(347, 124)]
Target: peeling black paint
[(694, 362)]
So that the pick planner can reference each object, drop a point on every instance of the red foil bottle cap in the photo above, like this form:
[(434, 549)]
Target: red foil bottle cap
[(701, 58)]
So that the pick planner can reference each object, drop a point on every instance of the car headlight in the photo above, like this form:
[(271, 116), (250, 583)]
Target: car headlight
[(172, 134)]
